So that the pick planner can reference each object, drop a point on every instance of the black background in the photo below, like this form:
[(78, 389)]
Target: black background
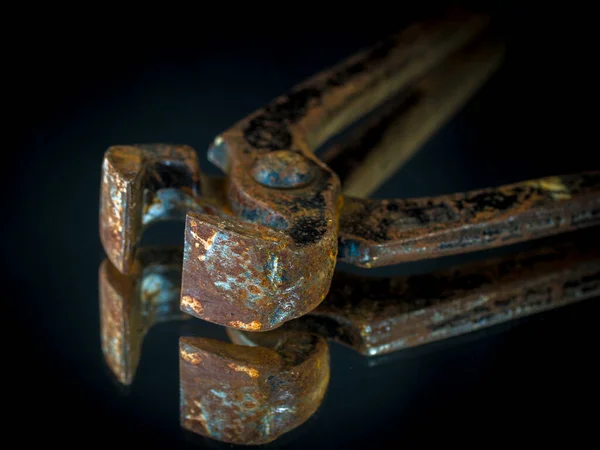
[(80, 81)]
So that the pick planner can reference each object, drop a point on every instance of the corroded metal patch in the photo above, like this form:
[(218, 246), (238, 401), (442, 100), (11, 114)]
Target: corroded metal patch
[(142, 184), (381, 315), (377, 232), (251, 395), (249, 276), (132, 304)]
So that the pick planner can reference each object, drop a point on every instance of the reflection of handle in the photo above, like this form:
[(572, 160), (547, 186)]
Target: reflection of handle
[(383, 232), (377, 316)]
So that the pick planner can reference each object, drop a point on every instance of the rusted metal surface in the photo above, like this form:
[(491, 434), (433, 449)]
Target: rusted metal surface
[(247, 276), (264, 385), (238, 274), (143, 184), (231, 393), (261, 244), (383, 232), (251, 395), (378, 148), (279, 268), (131, 304), (377, 316)]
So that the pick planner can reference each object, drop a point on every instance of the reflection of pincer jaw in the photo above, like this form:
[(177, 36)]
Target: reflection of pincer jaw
[(251, 395), (131, 304)]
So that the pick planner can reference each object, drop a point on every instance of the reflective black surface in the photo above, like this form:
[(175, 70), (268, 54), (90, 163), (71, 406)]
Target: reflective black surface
[(535, 379)]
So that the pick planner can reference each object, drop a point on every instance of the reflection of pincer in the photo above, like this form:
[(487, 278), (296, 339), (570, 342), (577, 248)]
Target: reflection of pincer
[(377, 316), (131, 304), (251, 395), (275, 380), (229, 392)]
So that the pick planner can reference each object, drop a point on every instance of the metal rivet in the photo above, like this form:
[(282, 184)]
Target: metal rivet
[(283, 169)]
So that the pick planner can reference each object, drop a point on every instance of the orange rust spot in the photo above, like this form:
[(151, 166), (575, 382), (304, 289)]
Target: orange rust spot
[(252, 326), (253, 373), (332, 254), (191, 357), (190, 303), (193, 223), (209, 241), (249, 405), (254, 289), (196, 414)]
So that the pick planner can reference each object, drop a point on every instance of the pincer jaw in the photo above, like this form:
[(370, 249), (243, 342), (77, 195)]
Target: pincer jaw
[(142, 184), (248, 276)]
